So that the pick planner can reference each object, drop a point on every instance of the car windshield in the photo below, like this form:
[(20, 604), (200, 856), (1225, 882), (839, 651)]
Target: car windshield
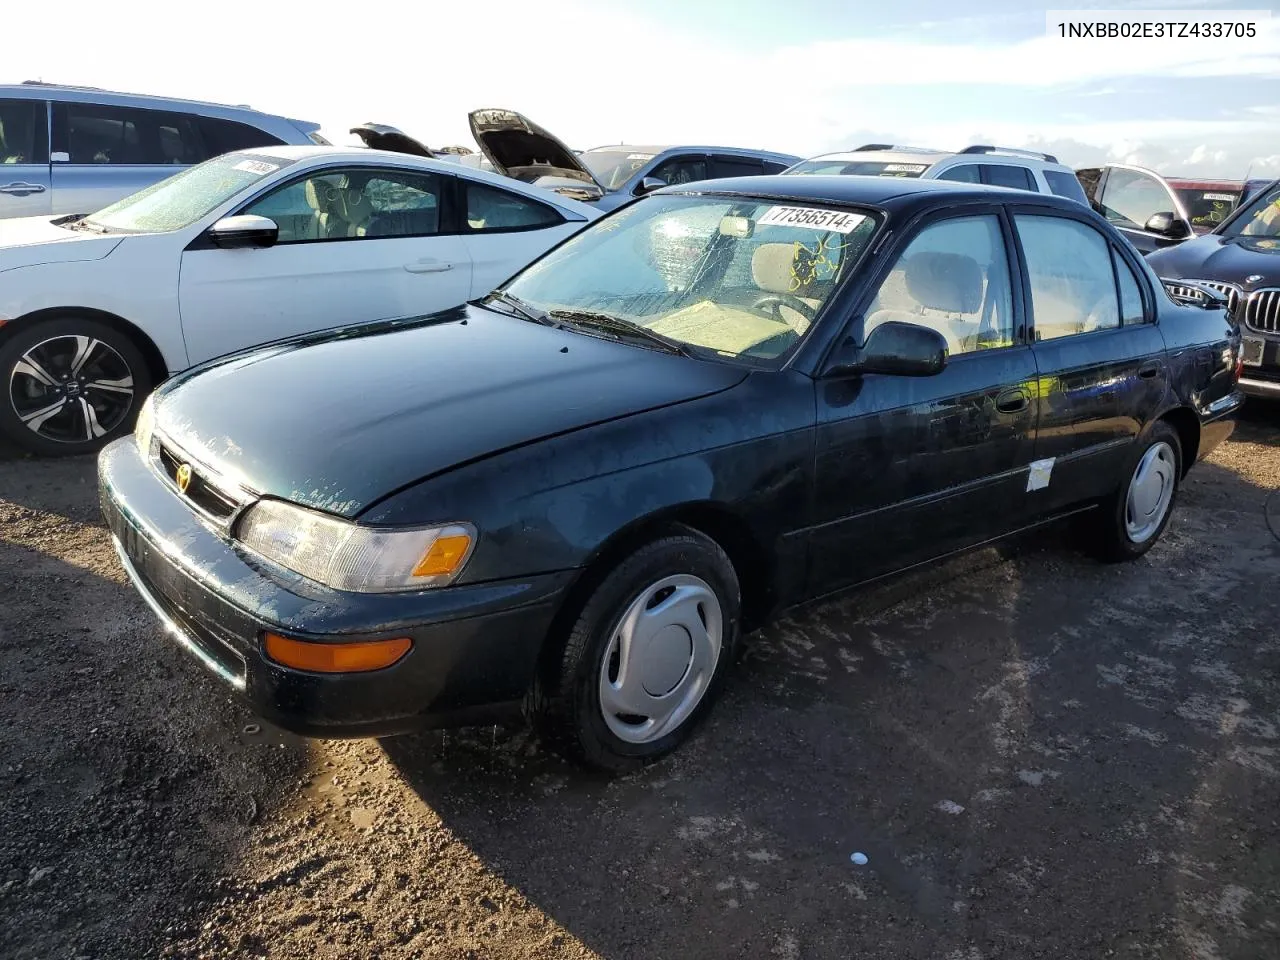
[(184, 198), (736, 278), (861, 168), (1261, 219), (613, 168), (1208, 208)]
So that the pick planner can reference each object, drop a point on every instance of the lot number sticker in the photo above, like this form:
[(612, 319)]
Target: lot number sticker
[(836, 221), (1220, 196), (260, 167)]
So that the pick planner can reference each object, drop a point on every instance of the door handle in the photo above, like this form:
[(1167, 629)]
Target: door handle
[(1012, 401), (428, 266), (21, 189), (1148, 371)]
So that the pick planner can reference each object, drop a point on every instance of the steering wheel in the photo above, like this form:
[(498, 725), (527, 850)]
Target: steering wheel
[(774, 302)]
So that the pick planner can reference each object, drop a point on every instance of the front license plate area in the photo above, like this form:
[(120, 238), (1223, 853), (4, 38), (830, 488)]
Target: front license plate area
[(1251, 351)]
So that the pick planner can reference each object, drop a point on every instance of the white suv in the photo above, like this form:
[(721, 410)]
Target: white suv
[(994, 166)]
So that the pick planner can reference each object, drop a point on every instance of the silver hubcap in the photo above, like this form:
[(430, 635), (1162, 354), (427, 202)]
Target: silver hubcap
[(1150, 492), (661, 658), (71, 389)]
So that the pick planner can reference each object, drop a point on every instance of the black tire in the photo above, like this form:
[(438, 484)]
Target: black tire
[(1110, 540), (566, 703), (114, 359)]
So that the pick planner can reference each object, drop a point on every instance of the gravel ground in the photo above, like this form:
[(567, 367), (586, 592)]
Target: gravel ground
[(1038, 756)]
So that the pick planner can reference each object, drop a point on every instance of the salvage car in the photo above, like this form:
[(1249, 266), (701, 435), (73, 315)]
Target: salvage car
[(607, 176), (1153, 211), (1009, 167), (1241, 261), (574, 495), (246, 248)]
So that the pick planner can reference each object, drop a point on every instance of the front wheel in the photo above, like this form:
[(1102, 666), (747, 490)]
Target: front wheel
[(646, 656), (1134, 519), (69, 386)]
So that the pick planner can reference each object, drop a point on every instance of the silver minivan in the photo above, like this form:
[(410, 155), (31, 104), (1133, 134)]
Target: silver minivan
[(77, 149)]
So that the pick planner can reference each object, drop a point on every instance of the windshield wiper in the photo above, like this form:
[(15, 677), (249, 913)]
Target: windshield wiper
[(623, 328), (526, 310)]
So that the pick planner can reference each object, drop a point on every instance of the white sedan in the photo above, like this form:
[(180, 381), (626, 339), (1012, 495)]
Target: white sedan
[(243, 249)]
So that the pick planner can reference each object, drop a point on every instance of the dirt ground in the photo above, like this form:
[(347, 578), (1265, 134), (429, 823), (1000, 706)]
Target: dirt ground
[(1038, 756)]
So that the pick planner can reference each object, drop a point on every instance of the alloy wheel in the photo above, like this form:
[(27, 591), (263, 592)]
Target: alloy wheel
[(71, 389)]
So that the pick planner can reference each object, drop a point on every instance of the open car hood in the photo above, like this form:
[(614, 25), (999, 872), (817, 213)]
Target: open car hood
[(519, 148), (379, 136)]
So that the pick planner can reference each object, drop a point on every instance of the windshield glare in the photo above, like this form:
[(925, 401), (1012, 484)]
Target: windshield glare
[(863, 168), (741, 278), (1262, 219), (613, 168), (184, 198)]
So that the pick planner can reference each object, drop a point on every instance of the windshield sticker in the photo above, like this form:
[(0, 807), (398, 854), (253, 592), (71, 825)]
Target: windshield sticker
[(905, 168), (835, 221), (260, 167), (640, 156), (1220, 196)]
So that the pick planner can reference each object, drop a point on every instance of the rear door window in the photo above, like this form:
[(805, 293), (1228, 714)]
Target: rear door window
[(1008, 175), (101, 134), (965, 173), (735, 167), (1072, 276), (1065, 185), (491, 210), (24, 131), (224, 136)]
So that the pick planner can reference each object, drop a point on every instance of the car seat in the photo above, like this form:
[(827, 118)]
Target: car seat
[(946, 283), (787, 269)]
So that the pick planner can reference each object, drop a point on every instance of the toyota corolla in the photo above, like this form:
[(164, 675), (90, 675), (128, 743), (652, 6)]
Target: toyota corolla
[(573, 496)]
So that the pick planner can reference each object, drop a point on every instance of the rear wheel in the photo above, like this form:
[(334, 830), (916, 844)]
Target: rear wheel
[(69, 386), (1136, 516), (646, 655)]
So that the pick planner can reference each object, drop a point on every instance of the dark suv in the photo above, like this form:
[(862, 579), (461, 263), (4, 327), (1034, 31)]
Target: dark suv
[(1241, 261)]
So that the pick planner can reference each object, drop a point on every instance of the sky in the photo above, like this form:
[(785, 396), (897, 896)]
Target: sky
[(800, 76)]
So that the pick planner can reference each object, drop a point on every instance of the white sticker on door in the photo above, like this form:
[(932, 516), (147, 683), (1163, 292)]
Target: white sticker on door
[(1038, 477)]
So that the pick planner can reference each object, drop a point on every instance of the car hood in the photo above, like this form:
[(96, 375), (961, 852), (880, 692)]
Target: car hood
[(379, 136), (29, 241), (337, 421), (519, 148), (1228, 259)]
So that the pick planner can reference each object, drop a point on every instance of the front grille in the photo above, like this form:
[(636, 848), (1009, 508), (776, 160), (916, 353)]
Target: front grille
[(1262, 311), (202, 493)]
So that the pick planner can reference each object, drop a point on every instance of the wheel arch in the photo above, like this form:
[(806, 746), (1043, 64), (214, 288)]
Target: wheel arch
[(1187, 425), (156, 364), (753, 561)]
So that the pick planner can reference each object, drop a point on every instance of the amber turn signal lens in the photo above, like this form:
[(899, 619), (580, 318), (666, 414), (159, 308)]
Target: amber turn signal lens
[(355, 657), (443, 557)]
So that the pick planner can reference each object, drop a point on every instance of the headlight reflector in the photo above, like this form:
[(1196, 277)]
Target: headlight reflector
[(348, 556)]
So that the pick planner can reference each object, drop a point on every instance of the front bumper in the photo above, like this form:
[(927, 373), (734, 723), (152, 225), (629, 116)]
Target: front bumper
[(1263, 378), (475, 647)]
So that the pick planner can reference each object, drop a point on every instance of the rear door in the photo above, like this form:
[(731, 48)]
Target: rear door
[(24, 158), (1099, 353), (503, 230), (909, 468), (355, 245), (103, 152)]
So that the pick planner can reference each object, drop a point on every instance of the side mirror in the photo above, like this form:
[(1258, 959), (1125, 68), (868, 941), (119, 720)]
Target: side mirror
[(899, 350), (246, 230), (648, 185), (1167, 225)]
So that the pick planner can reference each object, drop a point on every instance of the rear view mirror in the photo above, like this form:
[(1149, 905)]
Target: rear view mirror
[(246, 230), (648, 185), (1167, 225), (897, 349)]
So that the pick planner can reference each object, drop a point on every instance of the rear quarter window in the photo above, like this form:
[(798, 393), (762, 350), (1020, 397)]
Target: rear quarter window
[(1065, 185), (225, 136)]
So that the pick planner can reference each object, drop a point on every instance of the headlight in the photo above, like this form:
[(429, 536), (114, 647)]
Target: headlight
[(348, 556), (145, 425)]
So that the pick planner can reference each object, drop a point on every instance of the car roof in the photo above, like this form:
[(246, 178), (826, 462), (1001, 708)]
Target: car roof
[(34, 90), (925, 155), (868, 191)]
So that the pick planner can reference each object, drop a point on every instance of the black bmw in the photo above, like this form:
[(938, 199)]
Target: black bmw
[(575, 495), (1240, 260)]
